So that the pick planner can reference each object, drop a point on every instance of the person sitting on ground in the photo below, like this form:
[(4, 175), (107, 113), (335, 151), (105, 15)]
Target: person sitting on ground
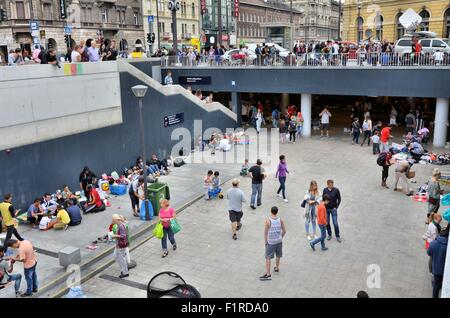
[(74, 213), (216, 180), (68, 195), (416, 150), (62, 218), (48, 204), (161, 164), (58, 197), (244, 169), (6, 268), (208, 184), (225, 144), (35, 212), (87, 177), (46, 222), (95, 203)]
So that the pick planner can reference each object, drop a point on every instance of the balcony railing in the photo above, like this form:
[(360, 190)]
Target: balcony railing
[(366, 60)]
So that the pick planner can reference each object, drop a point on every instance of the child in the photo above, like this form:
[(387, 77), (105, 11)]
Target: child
[(375, 143), (216, 180), (244, 168), (62, 218), (208, 184), (46, 222)]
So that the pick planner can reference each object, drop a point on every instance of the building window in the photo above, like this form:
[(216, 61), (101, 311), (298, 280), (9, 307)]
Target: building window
[(425, 25), (47, 8), (20, 8), (400, 30), (447, 23), (379, 26), (193, 10), (136, 18), (104, 15), (360, 28), (89, 15), (160, 5), (193, 29)]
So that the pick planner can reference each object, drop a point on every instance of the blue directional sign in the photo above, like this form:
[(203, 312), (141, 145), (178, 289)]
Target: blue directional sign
[(68, 30), (151, 18)]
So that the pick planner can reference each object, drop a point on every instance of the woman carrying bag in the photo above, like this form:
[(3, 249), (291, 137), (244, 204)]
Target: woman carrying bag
[(167, 217), (310, 203), (120, 252)]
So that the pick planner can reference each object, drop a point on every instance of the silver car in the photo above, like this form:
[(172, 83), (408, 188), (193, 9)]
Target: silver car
[(429, 45)]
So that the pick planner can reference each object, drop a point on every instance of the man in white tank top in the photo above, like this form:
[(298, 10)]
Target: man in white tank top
[(274, 231)]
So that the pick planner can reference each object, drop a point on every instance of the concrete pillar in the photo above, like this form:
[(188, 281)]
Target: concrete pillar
[(284, 102), (441, 122), (306, 112), (236, 104)]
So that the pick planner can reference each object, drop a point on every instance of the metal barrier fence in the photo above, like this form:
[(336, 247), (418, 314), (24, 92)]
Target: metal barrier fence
[(310, 59)]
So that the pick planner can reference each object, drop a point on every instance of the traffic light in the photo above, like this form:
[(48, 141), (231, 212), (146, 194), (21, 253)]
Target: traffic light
[(153, 38), (3, 15), (149, 38), (66, 40)]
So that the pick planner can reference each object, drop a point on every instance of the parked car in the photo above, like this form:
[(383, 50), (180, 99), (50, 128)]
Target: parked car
[(237, 57), (281, 50), (429, 45)]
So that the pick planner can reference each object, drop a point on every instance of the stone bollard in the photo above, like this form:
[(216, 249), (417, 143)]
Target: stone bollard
[(69, 255)]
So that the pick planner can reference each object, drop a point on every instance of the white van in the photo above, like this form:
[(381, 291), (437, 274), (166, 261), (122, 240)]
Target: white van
[(282, 51)]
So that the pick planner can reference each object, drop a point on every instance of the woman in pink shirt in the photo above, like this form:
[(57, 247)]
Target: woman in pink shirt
[(166, 214)]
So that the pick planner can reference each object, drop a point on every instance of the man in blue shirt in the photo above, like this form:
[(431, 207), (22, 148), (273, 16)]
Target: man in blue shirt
[(275, 117), (438, 252), (335, 200), (74, 213)]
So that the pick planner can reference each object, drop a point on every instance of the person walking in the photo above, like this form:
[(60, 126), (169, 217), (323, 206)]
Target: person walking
[(120, 252), (292, 126), (282, 130), (356, 131), (6, 269), (434, 193), (311, 201), (281, 174), (410, 121), (402, 169), (25, 254), (274, 232), (438, 252), (385, 168), (235, 198), (393, 116), (322, 221), (367, 129), (259, 120), (334, 196), (325, 116), (8, 213), (300, 121), (385, 136), (166, 215), (258, 174)]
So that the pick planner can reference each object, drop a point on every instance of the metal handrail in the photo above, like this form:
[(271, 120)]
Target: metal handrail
[(354, 59)]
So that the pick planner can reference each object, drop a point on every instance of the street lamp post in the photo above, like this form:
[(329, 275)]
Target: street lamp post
[(359, 22), (139, 91), (339, 21), (157, 23)]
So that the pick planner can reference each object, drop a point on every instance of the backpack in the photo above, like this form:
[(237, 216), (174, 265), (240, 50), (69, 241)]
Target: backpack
[(382, 158), (178, 162), (409, 120)]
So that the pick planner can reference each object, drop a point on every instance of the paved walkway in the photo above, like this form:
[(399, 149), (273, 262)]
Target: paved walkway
[(378, 226)]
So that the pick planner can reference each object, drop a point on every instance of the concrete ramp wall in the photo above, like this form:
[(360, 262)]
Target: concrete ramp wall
[(43, 102)]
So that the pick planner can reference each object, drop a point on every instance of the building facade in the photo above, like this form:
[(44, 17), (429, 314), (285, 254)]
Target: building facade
[(268, 21), (321, 19), (380, 18), (216, 13), (120, 20), (158, 17)]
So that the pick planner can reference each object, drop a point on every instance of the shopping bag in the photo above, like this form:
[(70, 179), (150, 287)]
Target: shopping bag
[(158, 231), (175, 226)]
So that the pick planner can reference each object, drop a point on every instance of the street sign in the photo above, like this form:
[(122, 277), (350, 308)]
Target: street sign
[(151, 18), (173, 119), (35, 41), (68, 30), (62, 7), (410, 19), (34, 26)]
